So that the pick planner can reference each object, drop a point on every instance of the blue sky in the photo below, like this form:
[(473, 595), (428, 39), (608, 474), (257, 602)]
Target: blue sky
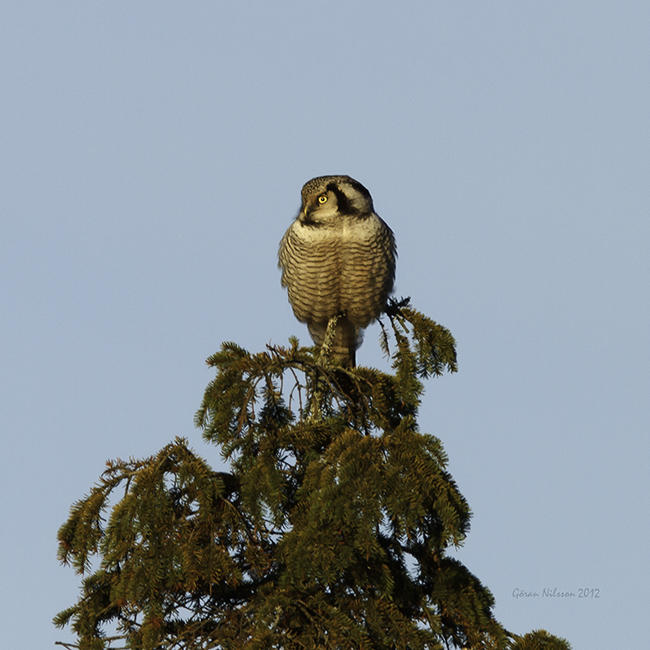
[(151, 156)]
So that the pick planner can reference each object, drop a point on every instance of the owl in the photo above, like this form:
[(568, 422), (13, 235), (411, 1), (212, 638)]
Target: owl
[(337, 259)]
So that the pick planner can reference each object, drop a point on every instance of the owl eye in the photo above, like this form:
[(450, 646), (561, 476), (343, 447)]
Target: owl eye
[(322, 198)]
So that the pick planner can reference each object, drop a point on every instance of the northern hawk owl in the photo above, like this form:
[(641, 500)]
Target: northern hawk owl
[(337, 259)]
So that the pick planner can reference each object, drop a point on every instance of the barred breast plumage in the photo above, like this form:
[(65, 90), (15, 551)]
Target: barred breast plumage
[(337, 258)]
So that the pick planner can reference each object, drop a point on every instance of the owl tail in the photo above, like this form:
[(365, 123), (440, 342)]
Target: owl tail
[(345, 341)]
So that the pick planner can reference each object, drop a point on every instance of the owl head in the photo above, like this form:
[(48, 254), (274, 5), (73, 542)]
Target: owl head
[(327, 198)]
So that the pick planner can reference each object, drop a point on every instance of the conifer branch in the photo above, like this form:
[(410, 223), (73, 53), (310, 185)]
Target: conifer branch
[(331, 527)]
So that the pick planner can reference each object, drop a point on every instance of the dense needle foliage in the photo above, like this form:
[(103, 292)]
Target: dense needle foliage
[(330, 530)]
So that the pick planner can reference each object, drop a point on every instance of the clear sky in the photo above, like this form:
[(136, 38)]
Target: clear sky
[(151, 157)]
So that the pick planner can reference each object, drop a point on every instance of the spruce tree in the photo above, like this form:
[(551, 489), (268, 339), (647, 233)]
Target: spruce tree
[(331, 529)]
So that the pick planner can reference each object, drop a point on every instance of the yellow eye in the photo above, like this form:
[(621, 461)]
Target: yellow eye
[(322, 198)]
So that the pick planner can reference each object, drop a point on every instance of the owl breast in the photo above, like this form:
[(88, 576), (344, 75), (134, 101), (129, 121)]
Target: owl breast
[(348, 268)]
